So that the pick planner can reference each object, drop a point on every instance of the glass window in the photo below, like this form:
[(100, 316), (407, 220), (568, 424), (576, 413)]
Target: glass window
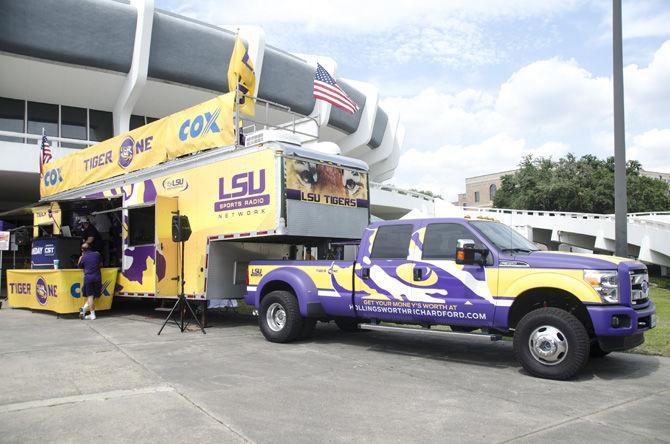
[(72, 125), (136, 121), (492, 191), (441, 240), (11, 118), (141, 226), (392, 242), (476, 196), (503, 237), (100, 125), (43, 115)]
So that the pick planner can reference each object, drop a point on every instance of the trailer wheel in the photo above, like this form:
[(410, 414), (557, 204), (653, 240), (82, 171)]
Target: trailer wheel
[(347, 324), (280, 319), (596, 351), (551, 343), (308, 327)]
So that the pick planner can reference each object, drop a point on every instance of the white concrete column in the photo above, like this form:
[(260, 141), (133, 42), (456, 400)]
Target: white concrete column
[(355, 143), (137, 76), (377, 155)]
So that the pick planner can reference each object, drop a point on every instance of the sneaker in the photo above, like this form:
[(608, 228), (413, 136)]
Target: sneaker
[(89, 317), (82, 313)]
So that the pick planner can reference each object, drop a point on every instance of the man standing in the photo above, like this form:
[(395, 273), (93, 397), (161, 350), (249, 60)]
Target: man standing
[(91, 235), (90, 262)]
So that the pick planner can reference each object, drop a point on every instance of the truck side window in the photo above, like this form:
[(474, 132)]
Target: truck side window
[(441, 240), (141, 226), (392, 242)]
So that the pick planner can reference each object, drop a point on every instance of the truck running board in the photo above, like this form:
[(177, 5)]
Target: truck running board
[(428, 331)]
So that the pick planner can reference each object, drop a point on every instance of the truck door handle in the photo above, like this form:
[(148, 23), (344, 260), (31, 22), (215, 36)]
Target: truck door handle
[(365, 273), (418, 274)]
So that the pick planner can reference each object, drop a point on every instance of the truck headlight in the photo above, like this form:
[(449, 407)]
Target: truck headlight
[(605, 283)]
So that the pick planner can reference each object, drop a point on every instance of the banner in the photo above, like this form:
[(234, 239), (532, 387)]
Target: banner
[(56, 290), (207, 125), (325, 184)]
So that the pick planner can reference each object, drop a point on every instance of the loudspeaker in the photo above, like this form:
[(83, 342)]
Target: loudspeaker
[(181, 228)]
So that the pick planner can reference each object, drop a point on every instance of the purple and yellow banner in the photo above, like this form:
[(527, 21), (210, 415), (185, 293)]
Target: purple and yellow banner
[(325, 184), (207, 125)]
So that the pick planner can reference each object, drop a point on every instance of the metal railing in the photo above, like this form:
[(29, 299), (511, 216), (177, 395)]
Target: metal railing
[(395, 190), (296, 119), (54, 141)]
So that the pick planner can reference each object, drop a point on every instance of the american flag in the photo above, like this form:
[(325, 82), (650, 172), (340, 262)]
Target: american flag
[(45, 151), (326, 88)]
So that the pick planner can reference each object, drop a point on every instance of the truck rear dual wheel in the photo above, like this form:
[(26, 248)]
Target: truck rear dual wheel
[(551, 343), (280, 318)]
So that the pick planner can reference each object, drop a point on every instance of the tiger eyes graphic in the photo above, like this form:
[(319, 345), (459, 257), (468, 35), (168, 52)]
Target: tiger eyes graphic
[(352, 181)]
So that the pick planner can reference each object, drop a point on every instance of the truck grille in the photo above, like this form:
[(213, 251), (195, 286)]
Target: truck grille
[(639, 288)]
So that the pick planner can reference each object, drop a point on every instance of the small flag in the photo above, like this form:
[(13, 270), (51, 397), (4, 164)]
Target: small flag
[(45, 151), (241, 75), (326, 88)]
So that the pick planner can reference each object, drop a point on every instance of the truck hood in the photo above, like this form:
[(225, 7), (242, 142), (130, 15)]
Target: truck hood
[(574, 261)]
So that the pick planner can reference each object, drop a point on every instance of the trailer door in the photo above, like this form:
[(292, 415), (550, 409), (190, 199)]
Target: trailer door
[(167, 251)]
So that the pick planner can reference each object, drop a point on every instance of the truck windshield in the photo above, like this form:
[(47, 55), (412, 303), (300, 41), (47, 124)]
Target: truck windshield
[(503, 237)]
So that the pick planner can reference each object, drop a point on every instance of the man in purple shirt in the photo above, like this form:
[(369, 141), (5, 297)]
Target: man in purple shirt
[(91, 262)]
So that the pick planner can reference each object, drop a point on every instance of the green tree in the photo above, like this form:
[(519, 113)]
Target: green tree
[(583, 185)]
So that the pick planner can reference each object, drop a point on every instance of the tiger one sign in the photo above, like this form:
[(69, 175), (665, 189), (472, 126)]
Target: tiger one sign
[(325, 184)]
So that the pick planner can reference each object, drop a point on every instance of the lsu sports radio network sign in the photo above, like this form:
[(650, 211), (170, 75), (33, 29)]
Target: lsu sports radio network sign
[(325, 184), (207, 125)]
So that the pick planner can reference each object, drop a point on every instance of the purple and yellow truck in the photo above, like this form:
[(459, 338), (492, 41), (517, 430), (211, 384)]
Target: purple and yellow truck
[(470, 275)]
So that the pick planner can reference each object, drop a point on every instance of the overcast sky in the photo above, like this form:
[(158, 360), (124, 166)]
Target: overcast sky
[(480, 83)]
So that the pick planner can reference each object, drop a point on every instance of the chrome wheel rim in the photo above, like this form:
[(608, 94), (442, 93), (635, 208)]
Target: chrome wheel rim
[(548, 345), (276, 317)]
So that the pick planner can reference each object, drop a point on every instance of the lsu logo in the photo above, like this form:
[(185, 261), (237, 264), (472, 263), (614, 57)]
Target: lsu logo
[(43, 291), (52, 177), (256, 272), (129, 147), (243, 191), (175, 184), (200, 125)]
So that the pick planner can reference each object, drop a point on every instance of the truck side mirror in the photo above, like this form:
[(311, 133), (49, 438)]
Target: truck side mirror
[(465, 252)]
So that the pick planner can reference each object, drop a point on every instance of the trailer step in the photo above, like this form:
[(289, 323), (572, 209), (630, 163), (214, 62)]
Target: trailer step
[(489, 336)]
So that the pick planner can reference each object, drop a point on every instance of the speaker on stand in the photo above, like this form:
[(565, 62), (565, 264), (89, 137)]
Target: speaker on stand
[(181, 232)]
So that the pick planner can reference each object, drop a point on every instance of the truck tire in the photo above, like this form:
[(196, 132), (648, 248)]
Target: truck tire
[(347, 324), (280, 319), (551, 343)]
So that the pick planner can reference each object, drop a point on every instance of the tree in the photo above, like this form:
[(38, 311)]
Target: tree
[(584, 185), (427, 193)]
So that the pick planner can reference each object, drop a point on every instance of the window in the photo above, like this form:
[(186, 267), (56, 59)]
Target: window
[(72, 125), (136, 121), (492, 191), (100, 125), (11, 118), (392, 242), (476, 196), (43, 115), (441, 240), (141, 226)]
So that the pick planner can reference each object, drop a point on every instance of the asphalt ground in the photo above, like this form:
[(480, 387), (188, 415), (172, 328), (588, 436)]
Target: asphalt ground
[(115, 380)]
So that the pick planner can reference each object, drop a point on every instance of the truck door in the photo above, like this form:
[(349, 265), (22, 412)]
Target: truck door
[(382, 292), (447, 293), (167, 252)]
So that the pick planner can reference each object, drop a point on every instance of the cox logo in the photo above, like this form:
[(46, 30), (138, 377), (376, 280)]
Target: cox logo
[(52, 177), (43, 290), (200, 125), (75, 289)]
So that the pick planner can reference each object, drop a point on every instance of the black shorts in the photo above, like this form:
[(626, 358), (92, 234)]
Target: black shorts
[(93, 288)]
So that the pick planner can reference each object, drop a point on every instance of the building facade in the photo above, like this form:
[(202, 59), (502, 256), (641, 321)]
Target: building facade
[(86, 70)]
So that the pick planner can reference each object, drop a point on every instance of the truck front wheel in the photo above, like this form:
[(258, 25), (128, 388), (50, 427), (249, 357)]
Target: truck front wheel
[(280, 319), (551, 343)]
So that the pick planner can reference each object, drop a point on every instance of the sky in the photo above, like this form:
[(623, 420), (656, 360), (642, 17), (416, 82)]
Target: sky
[(481, 83)]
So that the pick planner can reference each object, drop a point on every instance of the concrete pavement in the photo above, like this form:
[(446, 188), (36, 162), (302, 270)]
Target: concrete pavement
[(231, 385)]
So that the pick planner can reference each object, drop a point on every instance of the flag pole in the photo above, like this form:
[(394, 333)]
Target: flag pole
[(41, 152), (237, 102)]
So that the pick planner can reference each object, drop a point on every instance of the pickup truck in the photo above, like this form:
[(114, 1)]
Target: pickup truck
[(560, 308)]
